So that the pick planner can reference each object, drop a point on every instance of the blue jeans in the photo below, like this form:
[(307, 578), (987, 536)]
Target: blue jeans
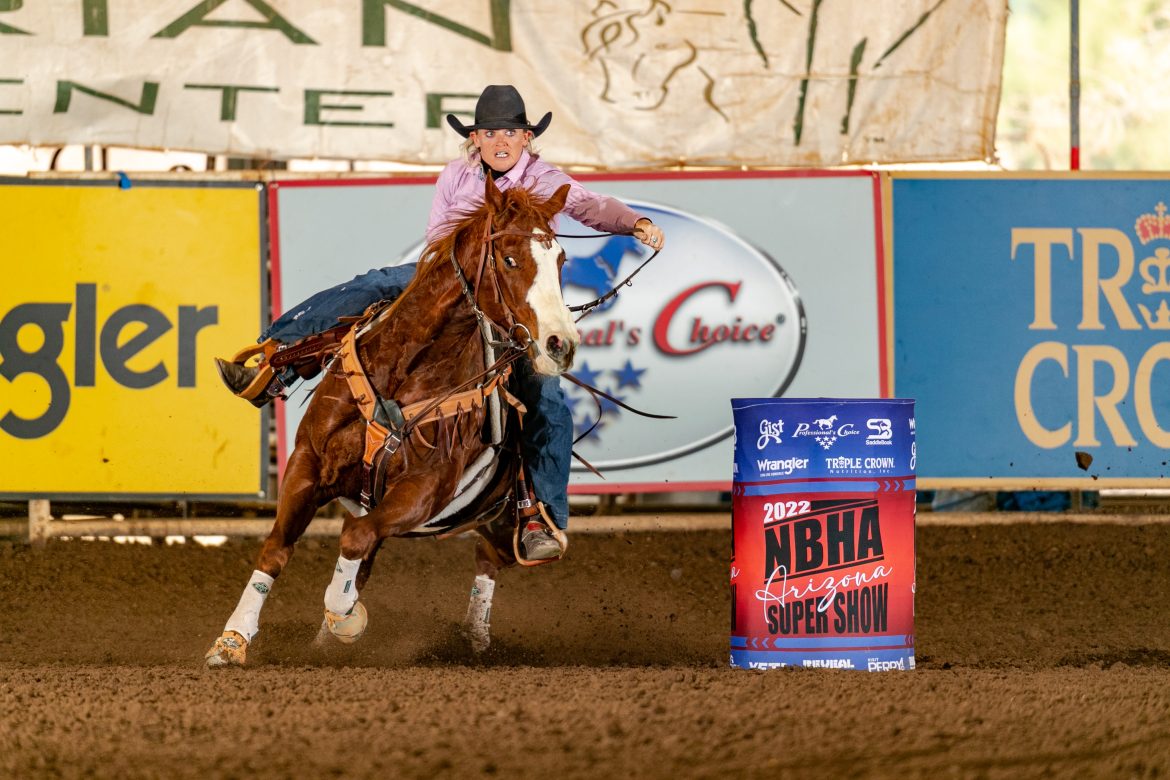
[(546, 440), (320, 311)]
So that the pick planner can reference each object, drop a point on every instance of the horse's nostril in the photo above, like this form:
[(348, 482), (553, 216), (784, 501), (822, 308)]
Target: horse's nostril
[(555, 345)]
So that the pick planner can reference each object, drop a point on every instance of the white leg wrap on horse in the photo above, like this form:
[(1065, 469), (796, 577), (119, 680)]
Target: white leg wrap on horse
[(479, 613), (246, 619), (342, 591)]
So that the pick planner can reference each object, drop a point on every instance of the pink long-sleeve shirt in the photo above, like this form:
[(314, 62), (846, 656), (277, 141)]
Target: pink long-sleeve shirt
[(459, 190)]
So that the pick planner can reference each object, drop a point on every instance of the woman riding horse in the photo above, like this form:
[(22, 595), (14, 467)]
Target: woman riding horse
[(498, 145), (486, 295)]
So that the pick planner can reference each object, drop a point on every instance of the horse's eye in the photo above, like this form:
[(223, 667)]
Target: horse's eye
[(511, 262)]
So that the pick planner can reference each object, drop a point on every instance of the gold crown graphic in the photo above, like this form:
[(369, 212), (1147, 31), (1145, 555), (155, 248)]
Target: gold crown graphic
[(1152, 226), (1155, 271), (1161, 318)]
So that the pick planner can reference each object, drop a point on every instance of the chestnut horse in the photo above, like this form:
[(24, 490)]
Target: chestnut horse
[(501, 264)]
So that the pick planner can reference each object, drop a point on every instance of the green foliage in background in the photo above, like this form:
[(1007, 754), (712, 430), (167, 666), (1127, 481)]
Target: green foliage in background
[(1125, 104)]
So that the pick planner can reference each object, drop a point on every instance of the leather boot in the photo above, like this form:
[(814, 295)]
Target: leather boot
[(539, 543), (251, 383)]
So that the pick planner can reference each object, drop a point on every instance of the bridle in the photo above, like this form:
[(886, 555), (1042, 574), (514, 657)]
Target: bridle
[(514, 348), (488, 253), (509, 334)]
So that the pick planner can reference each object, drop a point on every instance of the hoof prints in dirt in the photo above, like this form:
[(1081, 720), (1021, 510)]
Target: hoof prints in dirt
[(994, 597), (1042, 653), (1139, 657)]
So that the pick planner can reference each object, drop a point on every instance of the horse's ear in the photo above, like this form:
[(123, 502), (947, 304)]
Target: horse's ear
[(492, 195), (556, 202)]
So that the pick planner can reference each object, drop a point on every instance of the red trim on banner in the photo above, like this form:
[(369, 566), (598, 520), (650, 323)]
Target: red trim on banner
[(793, 174), (882, 326), (274, 249), (809, 480), (428, 179), (275, 305), (723, 486), (614, 176)]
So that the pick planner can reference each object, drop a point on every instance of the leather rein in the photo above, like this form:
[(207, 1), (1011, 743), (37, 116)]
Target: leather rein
[(587, 308), (487, 253)]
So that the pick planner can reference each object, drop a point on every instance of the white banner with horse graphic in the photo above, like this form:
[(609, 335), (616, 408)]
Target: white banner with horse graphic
[(631, 83), (769, 285)]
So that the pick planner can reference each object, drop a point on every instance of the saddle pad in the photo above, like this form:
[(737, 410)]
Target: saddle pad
[(474, 480)]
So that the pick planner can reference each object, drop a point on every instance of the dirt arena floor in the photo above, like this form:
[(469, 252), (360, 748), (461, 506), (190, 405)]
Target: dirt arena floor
[(1043, 651)]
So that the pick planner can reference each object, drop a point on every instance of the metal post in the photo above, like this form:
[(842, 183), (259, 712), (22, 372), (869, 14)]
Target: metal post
[(38, 521), (1074, 85)]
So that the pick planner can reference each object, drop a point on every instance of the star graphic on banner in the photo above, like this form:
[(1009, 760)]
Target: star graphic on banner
[(587, 375), (585, 408), (571, 401), (608, 406), (585, 425), (628, 376)]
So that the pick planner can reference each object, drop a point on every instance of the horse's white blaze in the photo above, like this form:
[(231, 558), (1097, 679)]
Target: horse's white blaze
[(552, 318)]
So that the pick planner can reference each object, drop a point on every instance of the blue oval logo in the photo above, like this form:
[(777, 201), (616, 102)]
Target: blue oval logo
[(710, 318)]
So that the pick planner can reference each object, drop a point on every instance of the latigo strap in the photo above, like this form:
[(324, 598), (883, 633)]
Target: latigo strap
[(388, 425)]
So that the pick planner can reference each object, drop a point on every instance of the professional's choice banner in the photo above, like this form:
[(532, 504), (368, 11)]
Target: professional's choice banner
[(1031, 323), (768, 285), (630, 83), (114, 302), (822, 563)]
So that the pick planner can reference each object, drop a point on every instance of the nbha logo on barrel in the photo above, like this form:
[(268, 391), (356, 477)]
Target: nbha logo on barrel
[(822, 565)]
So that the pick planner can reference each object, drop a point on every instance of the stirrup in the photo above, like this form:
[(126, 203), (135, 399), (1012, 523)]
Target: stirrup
[(257, 391), (265, 349), (258, 388), (557, 533), (263, 387)]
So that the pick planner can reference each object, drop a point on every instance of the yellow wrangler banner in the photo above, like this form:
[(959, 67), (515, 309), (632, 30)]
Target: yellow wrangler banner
[(113, 305)]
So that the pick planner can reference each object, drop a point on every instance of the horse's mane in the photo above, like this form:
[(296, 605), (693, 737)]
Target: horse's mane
[(518, 203)]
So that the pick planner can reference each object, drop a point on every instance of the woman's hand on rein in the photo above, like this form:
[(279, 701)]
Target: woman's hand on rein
[(649, 234)]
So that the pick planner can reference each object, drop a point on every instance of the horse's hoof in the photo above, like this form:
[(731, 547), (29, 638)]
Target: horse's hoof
[(229, 650), (348, 628)]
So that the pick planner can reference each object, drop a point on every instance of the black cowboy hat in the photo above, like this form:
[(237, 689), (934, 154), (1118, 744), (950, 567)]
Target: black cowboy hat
[(500, 107)]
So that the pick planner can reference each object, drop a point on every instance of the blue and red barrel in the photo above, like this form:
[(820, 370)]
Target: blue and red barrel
[(823, 503)]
